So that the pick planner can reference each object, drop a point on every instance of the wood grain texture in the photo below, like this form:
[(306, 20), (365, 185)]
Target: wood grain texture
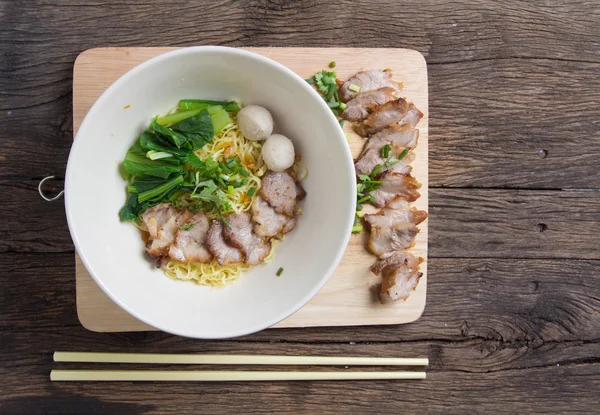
[(506, 81), (348, 298)]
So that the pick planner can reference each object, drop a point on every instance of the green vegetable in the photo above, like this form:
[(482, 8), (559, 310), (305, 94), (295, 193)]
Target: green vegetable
[(363, 199), (310, 80), (341, 123), (178, 117), (251, 191), (333, 104), (157, 155), (189, 134), (160, 192), (357, 229), (342, 106), (188, 104), (385, 151), (354, 87), (187, 226), (230, 189), (279, 272), (332, 64), (220, 120), (376, 170), (403, 154), (137, 164)]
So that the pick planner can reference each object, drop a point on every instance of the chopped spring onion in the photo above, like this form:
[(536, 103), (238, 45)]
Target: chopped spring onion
[(354, 87), (157, 155), (376, 170), (341, 123), (391, 162), (342, 106), (333, 104), (363, 199), (385, 151), (251, 191), (244, 172), (332, 64), (359, 213), (310, 80), (357, 229), (187, 226), (348, 137), (230, 189), (403, 154), (358, 209), (279, 272)]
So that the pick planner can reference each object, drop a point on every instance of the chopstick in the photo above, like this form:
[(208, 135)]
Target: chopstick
[(218, 359), (221, 376)]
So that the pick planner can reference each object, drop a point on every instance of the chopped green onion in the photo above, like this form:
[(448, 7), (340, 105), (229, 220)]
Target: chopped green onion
[(244, 182), (341, 123), (230, 189), (385, 151), (371, 198), (358, 209), (391, 162), (332, 64), (244, 173), (354, 87), (348, 137), (359, 213), (157, 155), (310, 80), (279, 272), (342, 106), (333, 104), (363, 199), (357, 229), (403, 154), (251, 191), (376, 170), (187, 226)]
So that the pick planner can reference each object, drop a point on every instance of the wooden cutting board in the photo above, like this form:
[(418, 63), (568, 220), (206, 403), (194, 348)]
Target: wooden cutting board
[(349, 297)]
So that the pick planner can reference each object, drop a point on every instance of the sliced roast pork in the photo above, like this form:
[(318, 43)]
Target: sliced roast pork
[(367, 81), (240, 235), (399, 111), (269, 223), (359, 108), (395, 185), (189, 244), (400, 276), (281, 191), (163, 222), (216, 244)]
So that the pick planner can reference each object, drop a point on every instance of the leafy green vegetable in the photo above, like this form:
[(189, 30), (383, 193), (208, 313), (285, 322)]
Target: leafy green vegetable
[(177, 117), (187, 226), (137, 164), (220, 120), (188, 104)]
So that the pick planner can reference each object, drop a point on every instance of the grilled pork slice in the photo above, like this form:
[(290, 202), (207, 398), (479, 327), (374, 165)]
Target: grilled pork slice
[(269, 223), (163, 221), (394, 227), (359, 108), (400, 274), (368, 81), (393, 112), (225, 253), (240, 235), (394, 185), (399, 138), (190, 239), (280, 191)]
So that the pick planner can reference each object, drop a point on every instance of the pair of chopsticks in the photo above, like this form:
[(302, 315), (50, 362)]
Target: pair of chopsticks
[(224, 376)]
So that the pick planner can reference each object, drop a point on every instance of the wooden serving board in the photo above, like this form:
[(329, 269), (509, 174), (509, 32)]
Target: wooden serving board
[(349, 297)]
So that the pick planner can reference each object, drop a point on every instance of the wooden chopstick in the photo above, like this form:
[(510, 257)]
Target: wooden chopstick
[(216, 359), (221, 376)]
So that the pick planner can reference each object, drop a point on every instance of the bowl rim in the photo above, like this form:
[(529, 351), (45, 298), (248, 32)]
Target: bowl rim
[(126, 77)]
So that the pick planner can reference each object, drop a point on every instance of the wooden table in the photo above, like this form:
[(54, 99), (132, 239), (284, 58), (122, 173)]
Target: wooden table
[(512, 323)]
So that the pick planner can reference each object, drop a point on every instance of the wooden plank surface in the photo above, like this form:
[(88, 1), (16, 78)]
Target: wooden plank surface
[(504, 335), (347, 299)]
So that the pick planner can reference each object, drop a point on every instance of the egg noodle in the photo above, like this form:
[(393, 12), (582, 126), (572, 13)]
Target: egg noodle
[(227, 143)]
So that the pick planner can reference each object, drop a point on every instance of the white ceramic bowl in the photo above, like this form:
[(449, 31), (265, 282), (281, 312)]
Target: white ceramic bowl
[(113, 252)]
